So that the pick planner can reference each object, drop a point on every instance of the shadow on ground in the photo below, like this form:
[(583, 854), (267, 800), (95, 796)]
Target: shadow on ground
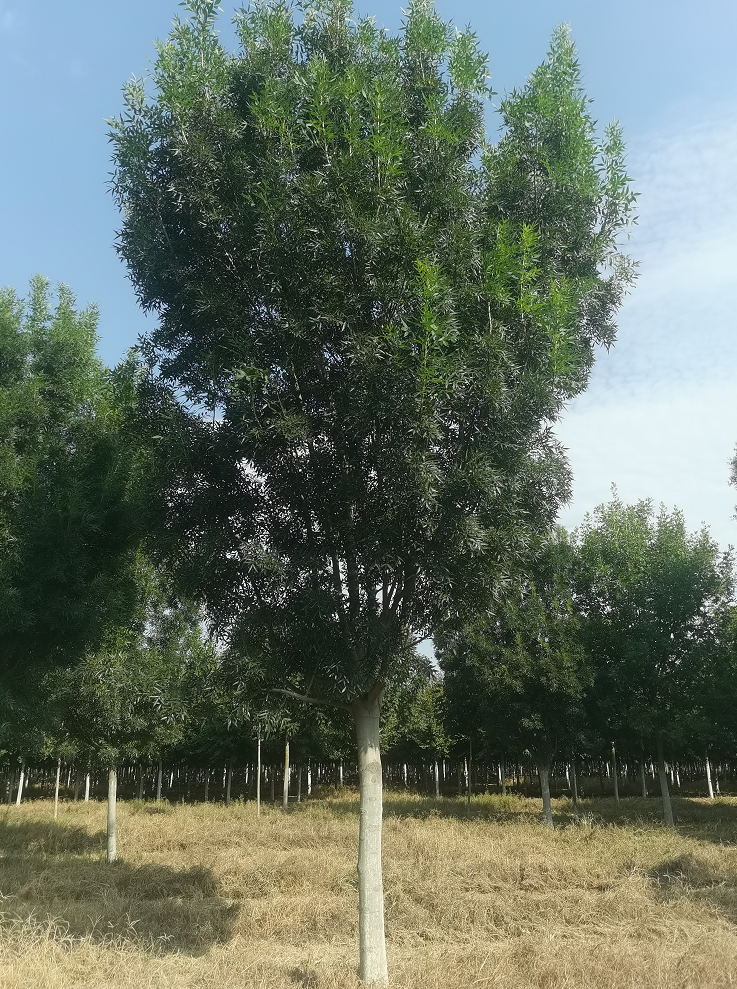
[(688, 877), (51, 888)]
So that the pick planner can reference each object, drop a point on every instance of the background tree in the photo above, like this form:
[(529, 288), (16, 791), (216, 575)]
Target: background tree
[(524, 666), (67, 536), (652, 594), (368, 319)]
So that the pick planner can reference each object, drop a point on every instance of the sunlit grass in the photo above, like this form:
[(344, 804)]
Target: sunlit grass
[(212, 896)]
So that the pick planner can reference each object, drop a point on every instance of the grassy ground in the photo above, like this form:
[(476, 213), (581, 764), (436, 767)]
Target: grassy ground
[(208, 896)]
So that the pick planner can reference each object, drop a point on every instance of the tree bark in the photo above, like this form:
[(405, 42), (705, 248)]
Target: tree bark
[(21, 779), (258, 775), (614, 775), (112, 834), (285, 790), (372, 944), (56, 788), (643, 778), (437, 780), (87, 786), (574, 791), (667, 809), (708, 777), (299, 782), (544, 772), (159, 774)]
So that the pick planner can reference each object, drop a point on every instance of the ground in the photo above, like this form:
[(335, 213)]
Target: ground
[(208, 896)]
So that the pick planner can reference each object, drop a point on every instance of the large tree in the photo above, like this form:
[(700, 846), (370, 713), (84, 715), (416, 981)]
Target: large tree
[(368, 318)]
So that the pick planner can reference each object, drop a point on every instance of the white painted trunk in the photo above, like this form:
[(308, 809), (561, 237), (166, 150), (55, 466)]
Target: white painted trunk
[(340, 773), (309, 778), (56, 789), (159, 775), (299, 782), (21, 779), (544, 771), (285, 790), (667, 808), (228, 782), (112, 835), (258, 775), (708, 777), (372, 943), (139, 770), (503, 774), (207, 783), (437, 780), (87, 787)]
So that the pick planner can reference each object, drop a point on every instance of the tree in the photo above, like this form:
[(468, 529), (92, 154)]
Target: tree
[(66, 522), (369, 318), (524, 666), (653, 595)]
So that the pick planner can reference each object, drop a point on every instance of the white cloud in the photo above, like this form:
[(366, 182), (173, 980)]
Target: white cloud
[(660, 415)]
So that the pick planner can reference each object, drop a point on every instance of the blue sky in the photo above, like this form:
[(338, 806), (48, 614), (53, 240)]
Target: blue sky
[(660, 416)]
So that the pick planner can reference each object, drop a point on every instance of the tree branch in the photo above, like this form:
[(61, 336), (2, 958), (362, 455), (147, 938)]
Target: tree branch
[(324, 701)]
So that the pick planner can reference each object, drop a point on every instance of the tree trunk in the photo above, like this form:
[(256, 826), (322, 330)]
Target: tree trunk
[(21, 779), (272, 784), (643, 778), (11, 785), (437, 780), (708, 777), (285, 790), (299, 782), (544, 771), (207, 784), (87, 786), (614, 775), (503, 774), (258, 775), (667, 809), (112, 836), (372, 944), (340, 773), (77, 781), (56, 788), (574, 791), (139, 770), (309, 778), (159, 775), (228, 782)]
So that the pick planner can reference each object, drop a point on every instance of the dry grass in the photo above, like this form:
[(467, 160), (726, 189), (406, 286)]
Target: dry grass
[(208, 896)]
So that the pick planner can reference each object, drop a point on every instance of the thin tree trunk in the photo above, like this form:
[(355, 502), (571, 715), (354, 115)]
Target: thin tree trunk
[(299, 782), (258, 775), (87, 786), (139, 770), (340, 773), (11, 785), (667, 809), (207, 784), (372, 943), (21, 779), (112, 835), (285, 789), (56, 788), (77, 782), (643, 778), (614, 775), (469, 764), (272, 784), (574, 791), (159, 776), (503, 774), (544, 772), (309, 778), (437, 780), (708, 777), (228, 782)]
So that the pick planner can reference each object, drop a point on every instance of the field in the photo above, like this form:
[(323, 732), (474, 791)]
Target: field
[(209, 896)]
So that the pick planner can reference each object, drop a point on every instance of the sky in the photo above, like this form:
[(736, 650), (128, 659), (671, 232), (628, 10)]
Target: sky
[(659, 418)]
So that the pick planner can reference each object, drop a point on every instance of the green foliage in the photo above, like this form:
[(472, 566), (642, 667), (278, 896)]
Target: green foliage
[(368, 319), (65, 521), (517, 678), (654, 599)]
